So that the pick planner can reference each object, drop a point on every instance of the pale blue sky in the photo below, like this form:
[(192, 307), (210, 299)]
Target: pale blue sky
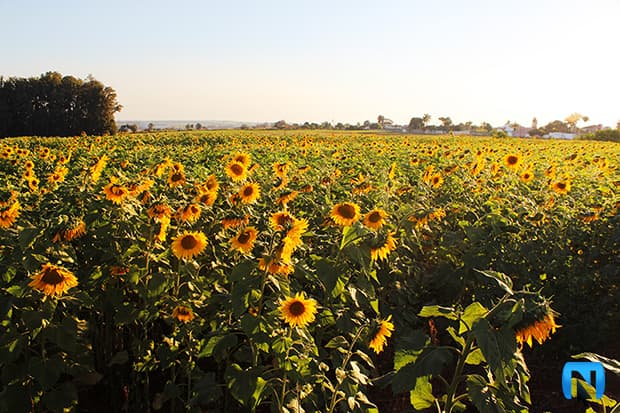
[(478, 60)]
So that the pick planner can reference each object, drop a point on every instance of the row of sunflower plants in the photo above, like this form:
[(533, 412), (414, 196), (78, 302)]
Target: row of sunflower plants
[(233, 275)]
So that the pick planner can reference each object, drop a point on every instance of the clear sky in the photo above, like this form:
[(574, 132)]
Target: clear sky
[(334, 60)]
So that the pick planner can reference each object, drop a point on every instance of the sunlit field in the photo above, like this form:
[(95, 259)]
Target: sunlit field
[(303, 271)]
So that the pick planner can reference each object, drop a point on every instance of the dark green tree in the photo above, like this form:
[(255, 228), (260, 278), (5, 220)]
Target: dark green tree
[(53, 105)]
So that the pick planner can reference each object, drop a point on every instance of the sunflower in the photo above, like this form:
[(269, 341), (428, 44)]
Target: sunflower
[(244, 240), (512, 161), (183, 313), (176, 178), (115, 192), (76, 231), (208, 198), (249, 193), (276, 266), (97, 168), (540, 330), (212, 185), (190, 213), (243, 158), (164, 222), (375, 218), (287, 197), (527, 176), (436, 180), (53, 280), (298, 311), (561, 187), (234, 222), (345, 213), (281, 220), (189, 244), (29, 164), (381, 252), (9, 215), (236, 171), (159, 211), (281, 169), (379, 339), (33, 184)]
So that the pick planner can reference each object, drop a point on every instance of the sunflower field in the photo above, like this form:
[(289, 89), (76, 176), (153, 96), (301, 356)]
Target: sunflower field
[(293, 271)]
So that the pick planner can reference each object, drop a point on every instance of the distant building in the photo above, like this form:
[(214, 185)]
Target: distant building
[(515, 130), (591, 128), (560, 135)]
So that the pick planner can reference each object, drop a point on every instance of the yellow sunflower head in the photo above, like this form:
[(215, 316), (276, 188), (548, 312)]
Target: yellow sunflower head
[(212, 185), (345, 213), (243, 158), (375, 218), (208, 198), (236, 171), (561, 187), (189, 213), (9, 215), (538, 321), (383, 246), (115, 192), (189, 245), (176, 178), (436, 180), (527, 176), (158, 211), (249, 193), (183, 313), (383, 330), (244, 240), (281, 221), (298, 311), (512, 161), (53, 280)]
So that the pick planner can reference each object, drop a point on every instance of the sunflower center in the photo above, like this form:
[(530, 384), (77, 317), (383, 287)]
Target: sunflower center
[(189, 242), (193, 209), (346, 211), (237, 169), (561, 185), (512, 160), (117, 189), (176, 177), (244, 237), (284, 220), (374, 217), (52, 277), (297, 308), (183, 311), (248, 191)]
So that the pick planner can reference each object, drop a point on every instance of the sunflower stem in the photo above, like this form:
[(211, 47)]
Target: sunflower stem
[(284, 379), (335, 399)]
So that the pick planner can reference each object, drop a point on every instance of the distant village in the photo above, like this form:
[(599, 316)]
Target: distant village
[(557, 129)]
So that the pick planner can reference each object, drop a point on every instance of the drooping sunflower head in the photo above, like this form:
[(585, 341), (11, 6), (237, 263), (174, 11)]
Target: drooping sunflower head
[(53, 280), (345, 213), (212, 184), (183, 313), (375, 218), (249, 193), (189, 213), (236, 171), (383, 245), (244, 240), (298, 311), (189, 245), (9, 215), (208, 198), (176, 178), (158, 211), (281, 168), (538, 320), (382, 331)]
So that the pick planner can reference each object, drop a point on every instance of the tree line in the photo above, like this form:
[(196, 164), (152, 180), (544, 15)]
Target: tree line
[(56, 105)]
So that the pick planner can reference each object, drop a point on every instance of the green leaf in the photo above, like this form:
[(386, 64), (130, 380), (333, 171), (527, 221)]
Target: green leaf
[(46, 372), (472, 313), (460, 340), (15, 290), (409, 347), (502, 279), (60, 398), (609, 364), (337, 342), (333, 279), (222, 347), (365, 357), (15, 398), (430, 362), (206, 390), (351, 234), (421, 397), (475, 357), (482, 396), (438, 311), (245, 385), (28, 236), (498, 347), (241, 271)]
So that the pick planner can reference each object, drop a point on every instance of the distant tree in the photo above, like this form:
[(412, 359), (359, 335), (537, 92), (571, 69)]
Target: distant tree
[(326, 125), (374, 125), (366, 124), (425, 119), (133, 128), (339, 125), (380, 120), (198, 126), (150, 126), (53, 105), (556, 126), (536, 132), (486, 126), (446, 122), (416, 124), (281, 124), (618, 125), (573, 119)]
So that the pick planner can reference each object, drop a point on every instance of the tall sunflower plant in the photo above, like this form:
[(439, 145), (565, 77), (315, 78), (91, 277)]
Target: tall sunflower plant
[(476, 359)]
